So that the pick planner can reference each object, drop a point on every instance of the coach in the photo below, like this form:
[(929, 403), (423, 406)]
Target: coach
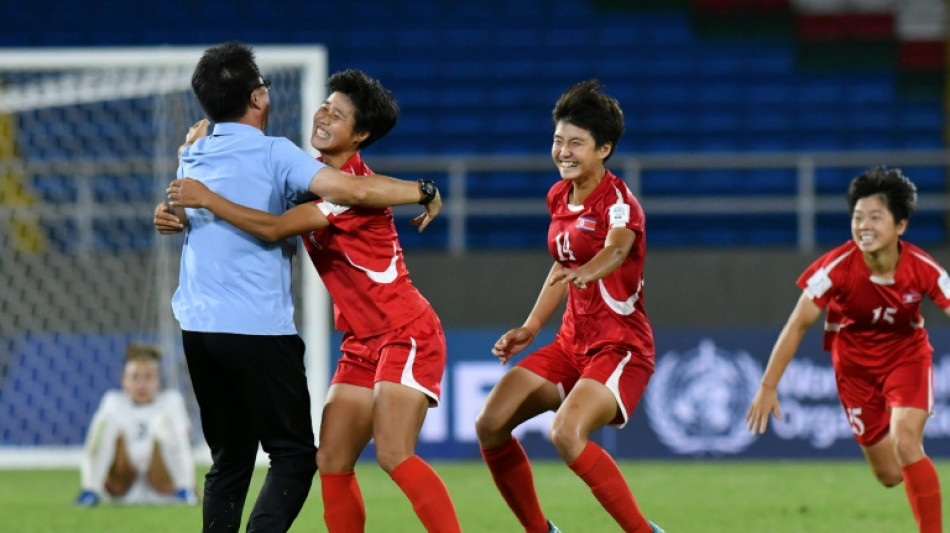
[(234, 301)]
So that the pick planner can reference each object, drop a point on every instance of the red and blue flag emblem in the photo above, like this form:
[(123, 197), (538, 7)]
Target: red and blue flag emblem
[(910, 298), (586, 224)]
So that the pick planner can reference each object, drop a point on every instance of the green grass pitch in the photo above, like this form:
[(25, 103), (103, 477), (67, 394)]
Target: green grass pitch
[(701, 496)]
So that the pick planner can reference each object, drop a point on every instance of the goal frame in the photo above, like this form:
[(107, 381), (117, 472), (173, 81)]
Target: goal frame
[(314, 302)]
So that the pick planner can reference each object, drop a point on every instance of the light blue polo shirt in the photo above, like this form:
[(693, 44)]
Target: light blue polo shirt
[(231, 281)]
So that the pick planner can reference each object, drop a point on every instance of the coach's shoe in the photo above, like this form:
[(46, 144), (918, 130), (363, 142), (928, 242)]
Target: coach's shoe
[(87, 498), (552, 528), (656, 528), (186, 496)]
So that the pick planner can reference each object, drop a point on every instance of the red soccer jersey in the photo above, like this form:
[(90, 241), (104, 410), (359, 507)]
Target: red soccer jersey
[(610, 311), (875, 323), (360, 261)]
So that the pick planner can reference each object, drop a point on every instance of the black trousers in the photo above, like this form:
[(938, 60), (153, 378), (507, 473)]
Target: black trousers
[(252, 389)]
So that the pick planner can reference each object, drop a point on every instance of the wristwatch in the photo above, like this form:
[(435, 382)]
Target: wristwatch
[(428, 190)]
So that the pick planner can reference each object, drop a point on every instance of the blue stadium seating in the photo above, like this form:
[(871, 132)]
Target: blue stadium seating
[(481, 78), (54, 383)]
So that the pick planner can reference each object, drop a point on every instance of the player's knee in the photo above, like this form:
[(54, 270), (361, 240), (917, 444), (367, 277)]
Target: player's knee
[(389, 458), (323, 460), (330, 462), (488, 430), (889, 478), (907, 445), (567, 441)]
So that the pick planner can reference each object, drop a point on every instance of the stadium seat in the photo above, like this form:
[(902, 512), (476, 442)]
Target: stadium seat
[(54, 384), (812, 78)]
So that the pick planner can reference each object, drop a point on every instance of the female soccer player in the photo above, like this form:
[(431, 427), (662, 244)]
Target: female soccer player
[(393, 350), (872, 287), (598, 366), (138, 448)]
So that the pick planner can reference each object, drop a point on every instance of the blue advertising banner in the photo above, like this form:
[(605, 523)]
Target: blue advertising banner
[(695, 404)]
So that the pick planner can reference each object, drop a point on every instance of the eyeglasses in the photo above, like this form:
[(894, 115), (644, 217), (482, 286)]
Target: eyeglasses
[(264, 83)]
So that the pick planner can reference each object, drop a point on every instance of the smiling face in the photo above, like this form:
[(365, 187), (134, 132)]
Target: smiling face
[(575, 153), (140, 380), (333, 126), (872, 225)]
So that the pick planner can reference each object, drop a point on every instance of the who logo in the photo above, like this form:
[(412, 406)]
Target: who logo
[(696, 401)]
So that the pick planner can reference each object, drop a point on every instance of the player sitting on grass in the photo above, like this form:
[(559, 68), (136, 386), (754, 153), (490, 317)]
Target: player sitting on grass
[(138, 448)]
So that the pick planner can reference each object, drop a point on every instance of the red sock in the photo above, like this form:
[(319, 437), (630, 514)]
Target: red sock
[(343, 509), (923, 491), (600, 472), (511, 471), (430, 499)]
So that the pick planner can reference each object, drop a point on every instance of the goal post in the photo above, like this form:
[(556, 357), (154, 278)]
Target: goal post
[(88, 140)]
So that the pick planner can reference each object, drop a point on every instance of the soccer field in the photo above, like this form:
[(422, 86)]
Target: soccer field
[(683, 497)]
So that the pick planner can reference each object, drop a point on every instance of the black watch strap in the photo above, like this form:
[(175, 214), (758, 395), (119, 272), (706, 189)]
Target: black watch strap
[(428, 190)]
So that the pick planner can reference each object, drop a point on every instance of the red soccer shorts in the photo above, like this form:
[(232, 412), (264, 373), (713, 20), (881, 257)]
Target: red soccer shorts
[(413, 355), (624, 372), (868, 396)]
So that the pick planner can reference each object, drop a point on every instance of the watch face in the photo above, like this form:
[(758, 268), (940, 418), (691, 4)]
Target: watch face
[(428, 190)]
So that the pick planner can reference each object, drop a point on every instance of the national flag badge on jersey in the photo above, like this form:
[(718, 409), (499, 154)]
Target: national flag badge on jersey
[(586, 224), (910, 298)]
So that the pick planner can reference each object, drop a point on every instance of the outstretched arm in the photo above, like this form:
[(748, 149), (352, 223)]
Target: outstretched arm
[(375, 190), (765, 403), (551, 296), (345, 189), (301, 219)]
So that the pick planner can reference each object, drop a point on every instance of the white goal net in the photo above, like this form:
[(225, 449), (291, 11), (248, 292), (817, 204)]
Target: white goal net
[(88, 141)]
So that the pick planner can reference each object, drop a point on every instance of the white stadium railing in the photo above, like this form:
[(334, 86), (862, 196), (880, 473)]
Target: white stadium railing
[(806, 204)]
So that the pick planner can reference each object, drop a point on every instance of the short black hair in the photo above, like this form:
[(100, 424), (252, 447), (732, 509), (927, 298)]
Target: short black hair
[(586, 106), (224, 79), (898, 191), (376, 109)]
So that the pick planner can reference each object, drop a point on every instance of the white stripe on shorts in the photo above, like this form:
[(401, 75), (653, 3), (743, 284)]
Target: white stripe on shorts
[(613, 385), (409, 380)]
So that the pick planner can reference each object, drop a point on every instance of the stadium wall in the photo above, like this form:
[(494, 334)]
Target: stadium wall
[(695, 405), (685, 288), (715, 314)]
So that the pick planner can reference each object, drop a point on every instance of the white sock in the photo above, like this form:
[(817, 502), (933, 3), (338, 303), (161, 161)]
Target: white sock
[(175, 446), (98, 453)]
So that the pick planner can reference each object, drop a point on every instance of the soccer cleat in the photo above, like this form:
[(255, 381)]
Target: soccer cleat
[(656, 528), (553, 528), (87, 498), (187, 496)]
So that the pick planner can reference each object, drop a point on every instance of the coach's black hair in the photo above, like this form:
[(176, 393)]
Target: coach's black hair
[(376, 108), (897, 190), (586, 106), (224, 79)]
